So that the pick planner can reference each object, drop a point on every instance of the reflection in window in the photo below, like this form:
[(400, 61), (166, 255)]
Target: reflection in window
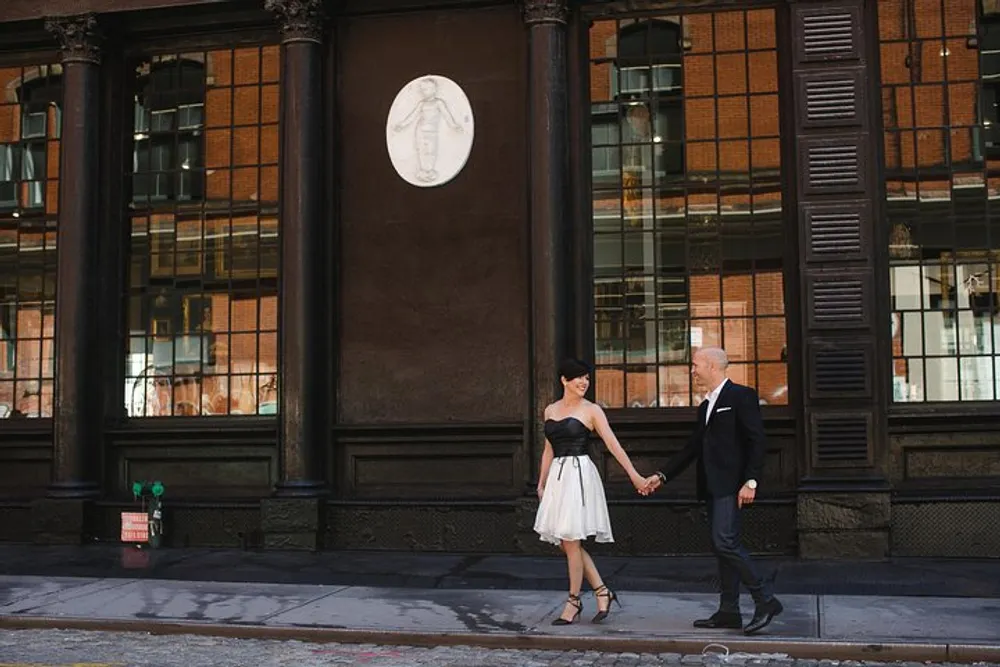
[(29, 186), (940, 72), (687, 204), (202, 297)]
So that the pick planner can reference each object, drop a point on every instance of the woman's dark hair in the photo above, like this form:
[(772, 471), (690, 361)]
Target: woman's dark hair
[(573, 368)]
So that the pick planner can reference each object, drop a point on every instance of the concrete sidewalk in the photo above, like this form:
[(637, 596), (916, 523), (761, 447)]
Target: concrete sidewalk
[(880, 628)]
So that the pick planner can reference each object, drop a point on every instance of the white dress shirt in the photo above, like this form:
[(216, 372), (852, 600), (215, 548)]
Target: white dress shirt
[(713, 396)]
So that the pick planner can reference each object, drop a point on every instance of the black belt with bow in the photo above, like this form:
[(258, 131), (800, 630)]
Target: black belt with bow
[(564, 452)]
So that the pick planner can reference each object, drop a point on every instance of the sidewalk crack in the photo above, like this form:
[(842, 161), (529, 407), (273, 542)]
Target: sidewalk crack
[(339, 589)]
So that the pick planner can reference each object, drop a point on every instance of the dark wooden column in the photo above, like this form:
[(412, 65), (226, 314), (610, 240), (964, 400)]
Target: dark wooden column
[(844, 501), (78, 409), (294, 517), (548, 167)]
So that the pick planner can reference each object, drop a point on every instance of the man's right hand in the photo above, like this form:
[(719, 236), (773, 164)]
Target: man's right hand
[(653, 482)]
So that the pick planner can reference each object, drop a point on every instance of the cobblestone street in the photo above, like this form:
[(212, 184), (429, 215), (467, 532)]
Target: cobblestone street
[(59, 648)]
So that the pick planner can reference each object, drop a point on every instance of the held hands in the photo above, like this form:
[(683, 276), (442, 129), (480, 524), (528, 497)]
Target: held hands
[(647, 485)]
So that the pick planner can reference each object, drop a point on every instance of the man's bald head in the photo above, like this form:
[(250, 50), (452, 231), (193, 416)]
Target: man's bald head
[(717, 356), (709, 367)]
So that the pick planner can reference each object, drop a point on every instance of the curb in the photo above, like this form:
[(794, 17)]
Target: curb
[(818, 649)]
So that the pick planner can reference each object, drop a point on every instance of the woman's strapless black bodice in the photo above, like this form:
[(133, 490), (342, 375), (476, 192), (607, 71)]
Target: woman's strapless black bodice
[(568, 436)]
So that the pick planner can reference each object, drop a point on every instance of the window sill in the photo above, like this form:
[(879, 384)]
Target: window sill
[(948, 412)]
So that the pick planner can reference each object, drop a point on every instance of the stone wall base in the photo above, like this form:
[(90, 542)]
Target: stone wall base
[(293, 523), (844, 525)]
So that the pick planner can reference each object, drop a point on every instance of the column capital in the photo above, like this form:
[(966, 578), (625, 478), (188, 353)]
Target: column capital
[(544, 11), (79, 37), (300, 20)]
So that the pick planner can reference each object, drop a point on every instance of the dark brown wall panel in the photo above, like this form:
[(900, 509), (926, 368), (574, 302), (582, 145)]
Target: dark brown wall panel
[(433, 314), (948, 459), (195, 463), (25, 463), (445, 461)]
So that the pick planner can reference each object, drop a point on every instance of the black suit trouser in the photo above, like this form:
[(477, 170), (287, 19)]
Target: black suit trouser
[(734, 561)]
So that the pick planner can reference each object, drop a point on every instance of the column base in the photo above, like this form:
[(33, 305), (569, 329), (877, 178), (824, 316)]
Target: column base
[(296, 523), (60, 521), (300, 489), (844, 525)]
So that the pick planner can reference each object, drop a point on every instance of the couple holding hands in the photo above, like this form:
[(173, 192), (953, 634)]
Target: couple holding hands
[(729, 446)]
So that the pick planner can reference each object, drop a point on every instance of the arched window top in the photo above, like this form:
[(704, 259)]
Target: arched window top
[(167, 84), (653, 40)]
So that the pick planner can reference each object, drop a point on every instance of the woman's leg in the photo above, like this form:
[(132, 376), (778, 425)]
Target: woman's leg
[(574, 562), (593, 578)]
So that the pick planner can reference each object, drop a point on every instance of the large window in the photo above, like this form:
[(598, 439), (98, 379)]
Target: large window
[(202, 287), (940, 83), (29, 187), (687, 208)]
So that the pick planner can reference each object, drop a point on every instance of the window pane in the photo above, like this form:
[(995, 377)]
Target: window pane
[(29, 173), (940, 151), (202, 288), (688, 245)]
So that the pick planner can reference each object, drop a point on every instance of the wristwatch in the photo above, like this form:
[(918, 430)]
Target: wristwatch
[(752, 484), (663, 478)]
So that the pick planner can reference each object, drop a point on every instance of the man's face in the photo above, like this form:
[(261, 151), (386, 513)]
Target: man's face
[(701, 371)]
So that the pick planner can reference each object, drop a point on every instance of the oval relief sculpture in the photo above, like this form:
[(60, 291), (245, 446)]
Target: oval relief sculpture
[(429, 131)]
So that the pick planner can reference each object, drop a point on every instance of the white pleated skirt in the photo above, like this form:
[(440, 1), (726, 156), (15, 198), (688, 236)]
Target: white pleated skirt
[(573, 506)]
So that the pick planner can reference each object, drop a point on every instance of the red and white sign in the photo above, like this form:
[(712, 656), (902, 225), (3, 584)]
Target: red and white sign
[(135, 527)]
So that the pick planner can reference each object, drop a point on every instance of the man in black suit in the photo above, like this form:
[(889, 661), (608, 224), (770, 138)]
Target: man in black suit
[(729, 446)]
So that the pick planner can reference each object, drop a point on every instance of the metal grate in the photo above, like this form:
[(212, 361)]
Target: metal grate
[(828, 35), (838, 301), (834, 166), (840, 439), (946, 529), (835, 233), (830, 100), (840, 371)]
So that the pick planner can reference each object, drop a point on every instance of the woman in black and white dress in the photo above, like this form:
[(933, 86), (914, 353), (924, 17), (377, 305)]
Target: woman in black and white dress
[(573, 506)]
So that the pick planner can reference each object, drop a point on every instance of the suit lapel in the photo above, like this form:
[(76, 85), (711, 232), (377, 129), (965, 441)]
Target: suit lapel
[(718, 401), (702, 410)]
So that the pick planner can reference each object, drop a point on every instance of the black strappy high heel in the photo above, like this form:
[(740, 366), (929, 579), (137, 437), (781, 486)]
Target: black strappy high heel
[(605, 592), (575, 601)]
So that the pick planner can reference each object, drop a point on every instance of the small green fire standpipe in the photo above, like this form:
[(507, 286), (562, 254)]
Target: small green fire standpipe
[(154, 509)]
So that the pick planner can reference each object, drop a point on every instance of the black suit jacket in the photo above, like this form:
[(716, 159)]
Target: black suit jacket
[(729, 449)]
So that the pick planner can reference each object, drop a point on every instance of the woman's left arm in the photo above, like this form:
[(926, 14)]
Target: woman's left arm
[(603, 429)]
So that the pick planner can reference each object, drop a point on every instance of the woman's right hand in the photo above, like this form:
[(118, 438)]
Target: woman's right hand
[(540, 490)]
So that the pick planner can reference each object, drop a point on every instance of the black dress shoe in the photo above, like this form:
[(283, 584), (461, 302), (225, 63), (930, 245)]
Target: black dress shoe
[(720, 620), (763, 615)]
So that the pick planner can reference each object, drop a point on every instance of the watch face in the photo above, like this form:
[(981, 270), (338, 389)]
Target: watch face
[(752, 484)]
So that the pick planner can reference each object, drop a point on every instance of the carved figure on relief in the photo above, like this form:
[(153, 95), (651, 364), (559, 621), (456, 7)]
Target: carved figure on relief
[(425, 155)]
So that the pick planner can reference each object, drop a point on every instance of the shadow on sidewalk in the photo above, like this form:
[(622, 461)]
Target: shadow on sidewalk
[(913, 577)]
